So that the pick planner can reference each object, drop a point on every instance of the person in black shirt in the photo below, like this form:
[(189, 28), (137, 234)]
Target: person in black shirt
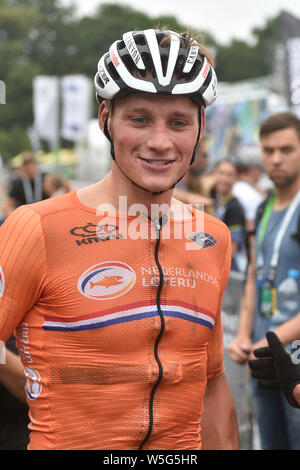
[(228, 208), (28, 187)]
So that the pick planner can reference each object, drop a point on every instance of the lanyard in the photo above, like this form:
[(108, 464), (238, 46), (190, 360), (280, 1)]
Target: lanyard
[(265, 219), (280, 234)]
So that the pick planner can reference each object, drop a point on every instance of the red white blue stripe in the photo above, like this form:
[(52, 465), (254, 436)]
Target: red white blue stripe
[(130, 312)]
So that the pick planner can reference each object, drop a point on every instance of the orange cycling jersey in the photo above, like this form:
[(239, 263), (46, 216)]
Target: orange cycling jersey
[(118, 336)]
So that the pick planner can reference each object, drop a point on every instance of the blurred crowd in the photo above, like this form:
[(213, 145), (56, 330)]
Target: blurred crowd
[(29, 184)]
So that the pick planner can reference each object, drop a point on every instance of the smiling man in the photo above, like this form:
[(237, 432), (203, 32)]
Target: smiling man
[(121, 337)]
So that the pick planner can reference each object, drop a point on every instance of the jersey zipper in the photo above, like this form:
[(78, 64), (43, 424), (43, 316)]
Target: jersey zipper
[(158, 226)]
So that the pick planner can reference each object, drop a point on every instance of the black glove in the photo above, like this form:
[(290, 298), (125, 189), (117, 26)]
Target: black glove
[(275, 370)]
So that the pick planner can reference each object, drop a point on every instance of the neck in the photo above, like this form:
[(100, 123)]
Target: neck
[(106, 192), (284, 196)]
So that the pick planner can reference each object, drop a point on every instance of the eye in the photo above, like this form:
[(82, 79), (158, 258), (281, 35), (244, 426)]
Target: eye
[(286, 150), (178, 123), (139, 120), (267, 151)]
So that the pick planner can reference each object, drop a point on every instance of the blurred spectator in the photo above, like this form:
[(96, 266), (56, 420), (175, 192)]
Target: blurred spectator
[(227, 207), (27, 188), (230, 211), (250, 171), (269, 303), (192, 188), (54, 185)]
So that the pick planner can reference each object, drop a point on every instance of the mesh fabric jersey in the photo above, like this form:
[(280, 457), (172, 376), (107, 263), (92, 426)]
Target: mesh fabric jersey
[(109, 364)]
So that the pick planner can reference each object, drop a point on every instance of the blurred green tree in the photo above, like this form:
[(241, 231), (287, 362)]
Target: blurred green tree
[(45, 37), (240, 60)]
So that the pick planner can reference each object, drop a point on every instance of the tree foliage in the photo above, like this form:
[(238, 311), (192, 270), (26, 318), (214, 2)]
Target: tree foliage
[(44, 37)]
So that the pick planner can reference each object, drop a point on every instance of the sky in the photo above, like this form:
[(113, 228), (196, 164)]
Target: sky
[(225, 19)]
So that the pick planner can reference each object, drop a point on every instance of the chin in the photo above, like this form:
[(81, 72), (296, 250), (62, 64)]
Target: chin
[(155, 187)]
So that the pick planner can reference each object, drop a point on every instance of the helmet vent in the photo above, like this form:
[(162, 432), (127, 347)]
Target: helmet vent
[(112, 71), (140, 39)]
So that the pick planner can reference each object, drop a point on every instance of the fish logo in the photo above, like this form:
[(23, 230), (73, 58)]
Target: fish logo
[(33, 385), (2, 282), (107, 280)]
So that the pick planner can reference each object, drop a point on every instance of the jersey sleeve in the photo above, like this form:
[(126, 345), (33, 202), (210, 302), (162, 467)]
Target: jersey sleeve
[(215, 345), (22, 267)]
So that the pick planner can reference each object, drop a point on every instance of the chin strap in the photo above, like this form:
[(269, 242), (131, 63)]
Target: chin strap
[(112, 151)]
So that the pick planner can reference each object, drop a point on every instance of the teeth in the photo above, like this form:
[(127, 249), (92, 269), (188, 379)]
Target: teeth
[(157, 162)]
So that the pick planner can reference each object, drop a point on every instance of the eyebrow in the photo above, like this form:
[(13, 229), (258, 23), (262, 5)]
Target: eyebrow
[(177, 113), (268, 148)]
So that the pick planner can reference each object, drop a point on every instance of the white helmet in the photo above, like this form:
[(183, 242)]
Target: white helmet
[(172, 69)]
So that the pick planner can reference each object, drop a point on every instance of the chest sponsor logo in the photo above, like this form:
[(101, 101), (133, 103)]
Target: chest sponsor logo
[(33, 383), (107, 280), (204, 240), (91, 233), (175, 276), (2, 282)]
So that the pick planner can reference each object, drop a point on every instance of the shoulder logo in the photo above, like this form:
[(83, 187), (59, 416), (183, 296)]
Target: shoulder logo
[(107, 280), (2, 282), (205, 240)]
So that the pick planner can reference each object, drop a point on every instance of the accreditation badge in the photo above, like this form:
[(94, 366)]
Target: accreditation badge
[(268, 298)]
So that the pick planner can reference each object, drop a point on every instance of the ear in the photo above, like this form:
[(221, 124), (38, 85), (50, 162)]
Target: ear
[(103, 113), (202, 121)]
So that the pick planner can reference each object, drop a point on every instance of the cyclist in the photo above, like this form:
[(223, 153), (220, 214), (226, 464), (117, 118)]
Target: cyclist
[(118, 323)]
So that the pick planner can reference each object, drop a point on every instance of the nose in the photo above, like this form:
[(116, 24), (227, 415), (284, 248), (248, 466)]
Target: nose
[(276, 157), (159, 139)]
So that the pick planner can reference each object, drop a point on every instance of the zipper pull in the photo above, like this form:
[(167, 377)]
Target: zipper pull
[(157, 223)]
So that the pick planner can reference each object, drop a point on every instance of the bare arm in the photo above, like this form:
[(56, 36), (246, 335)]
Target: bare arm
[(12, 375), (239, 349), (296, 393), (234, 248), (219, 420)]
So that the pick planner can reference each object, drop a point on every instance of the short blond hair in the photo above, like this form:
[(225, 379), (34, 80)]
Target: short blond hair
[(187, 39)]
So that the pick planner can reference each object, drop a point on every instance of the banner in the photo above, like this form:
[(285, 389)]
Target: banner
[(76, 106), (290, 30), (2, 92), (234, 120), (46, 108)]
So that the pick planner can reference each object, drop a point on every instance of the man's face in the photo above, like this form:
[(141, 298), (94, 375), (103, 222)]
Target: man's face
[(154, 137), (225, 177), (30, 169), (281, 156)]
